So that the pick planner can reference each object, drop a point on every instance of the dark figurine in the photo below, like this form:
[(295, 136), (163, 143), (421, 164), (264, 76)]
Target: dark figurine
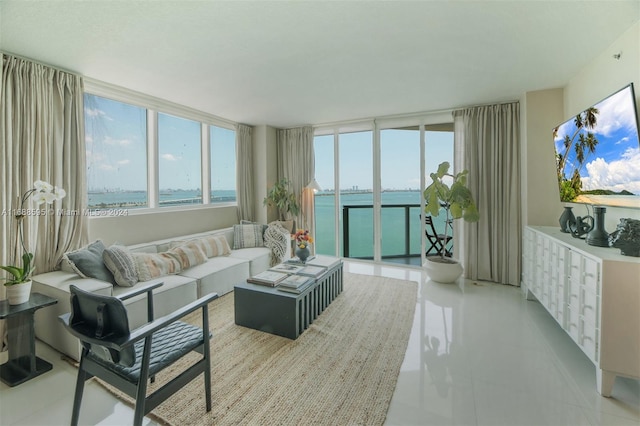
[(626, 237)]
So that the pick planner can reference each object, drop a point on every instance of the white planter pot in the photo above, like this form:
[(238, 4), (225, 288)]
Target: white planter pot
[(443, 272), (19, 293)]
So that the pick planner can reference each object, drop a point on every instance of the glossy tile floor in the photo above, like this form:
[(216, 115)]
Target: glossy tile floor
[(479, 354)]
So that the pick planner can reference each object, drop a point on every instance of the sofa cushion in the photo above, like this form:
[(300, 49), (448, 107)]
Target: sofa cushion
[(189, 254), (247, 236), (219, 274), (215, 245), (154, 265), (121, 264), (87, 262)]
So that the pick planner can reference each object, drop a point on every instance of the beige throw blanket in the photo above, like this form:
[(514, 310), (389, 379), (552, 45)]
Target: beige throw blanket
[(277, 238)]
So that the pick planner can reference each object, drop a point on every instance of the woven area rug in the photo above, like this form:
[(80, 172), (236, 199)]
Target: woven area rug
[(342, 370)]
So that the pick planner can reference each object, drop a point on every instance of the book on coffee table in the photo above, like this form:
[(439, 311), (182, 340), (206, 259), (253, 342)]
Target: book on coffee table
[(312, 271), (295, 283), (268, 278), (287, 268)]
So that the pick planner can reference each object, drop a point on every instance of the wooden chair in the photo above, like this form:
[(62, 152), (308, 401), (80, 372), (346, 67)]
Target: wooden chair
[(128, 359), (437, 241)]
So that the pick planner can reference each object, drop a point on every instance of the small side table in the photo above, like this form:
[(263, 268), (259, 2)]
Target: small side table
[(23, 363)]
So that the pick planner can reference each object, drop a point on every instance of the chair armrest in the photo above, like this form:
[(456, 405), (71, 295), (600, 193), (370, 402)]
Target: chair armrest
[(151, 327), (144, 289), (143, 331)]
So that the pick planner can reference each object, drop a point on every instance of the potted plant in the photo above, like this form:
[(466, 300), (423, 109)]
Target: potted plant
[(19, 286), (281, 197), (457, 202)]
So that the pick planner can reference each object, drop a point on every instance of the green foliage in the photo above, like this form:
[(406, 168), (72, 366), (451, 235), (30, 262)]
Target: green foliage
[(457, 200), (282, 198), (20, 275), (567, 191)]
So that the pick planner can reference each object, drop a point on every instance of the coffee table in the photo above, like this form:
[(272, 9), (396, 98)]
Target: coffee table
[(287, 314)]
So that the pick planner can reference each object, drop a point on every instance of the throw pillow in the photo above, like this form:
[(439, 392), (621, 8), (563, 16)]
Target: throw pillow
[(87, 262), (154, 265), (245, 236), (121, 264), (189, 254), (215, 245)]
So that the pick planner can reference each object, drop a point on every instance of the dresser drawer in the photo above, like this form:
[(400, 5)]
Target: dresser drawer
[(588, 340)]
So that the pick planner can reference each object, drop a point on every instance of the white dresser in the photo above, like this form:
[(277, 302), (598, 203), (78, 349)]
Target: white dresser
[(593, 293)]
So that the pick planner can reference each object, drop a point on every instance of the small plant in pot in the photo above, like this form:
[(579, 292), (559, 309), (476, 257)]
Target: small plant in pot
[(283, 199), (18, 286), (457, 202)]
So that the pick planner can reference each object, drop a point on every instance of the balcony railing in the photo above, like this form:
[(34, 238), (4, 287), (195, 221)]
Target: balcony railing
[(398, 250)]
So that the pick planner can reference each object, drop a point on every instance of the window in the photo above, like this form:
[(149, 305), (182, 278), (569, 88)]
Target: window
[(223, 164), (179, 161), (132, 150), (116, 146)]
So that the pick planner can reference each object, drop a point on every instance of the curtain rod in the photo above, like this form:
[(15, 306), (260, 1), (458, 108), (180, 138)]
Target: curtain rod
[(5, 53)]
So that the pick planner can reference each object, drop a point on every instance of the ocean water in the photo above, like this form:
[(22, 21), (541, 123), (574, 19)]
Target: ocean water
[(400, 225)]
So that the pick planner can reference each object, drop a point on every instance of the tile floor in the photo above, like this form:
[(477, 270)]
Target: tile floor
[(477, 355)]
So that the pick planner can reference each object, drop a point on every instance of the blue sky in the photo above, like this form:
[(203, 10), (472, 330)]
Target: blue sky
[(400, 158), (615, 165), (117, 151)]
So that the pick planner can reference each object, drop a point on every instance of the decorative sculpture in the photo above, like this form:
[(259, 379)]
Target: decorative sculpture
[(626, 237)]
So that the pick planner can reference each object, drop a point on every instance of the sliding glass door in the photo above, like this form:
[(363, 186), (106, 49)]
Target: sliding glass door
[(370, 203)]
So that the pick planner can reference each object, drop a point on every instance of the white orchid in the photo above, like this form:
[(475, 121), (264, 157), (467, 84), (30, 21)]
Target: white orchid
[(42, 192)]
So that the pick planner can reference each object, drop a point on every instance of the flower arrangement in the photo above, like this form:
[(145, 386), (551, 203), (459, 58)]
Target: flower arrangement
[(42, 192), (302, 238)]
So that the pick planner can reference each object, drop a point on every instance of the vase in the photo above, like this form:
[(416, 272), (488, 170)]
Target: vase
[(598, 236), (567, 219), (18, 294), (303, 253)]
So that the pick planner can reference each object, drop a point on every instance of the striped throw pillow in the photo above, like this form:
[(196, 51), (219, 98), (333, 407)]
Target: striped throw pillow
[(121, 264), (245, 236), (154, 265), (215, 245), (189, 254)]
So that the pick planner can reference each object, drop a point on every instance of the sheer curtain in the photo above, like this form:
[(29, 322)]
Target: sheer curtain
[(487, 140), (296, 163), (244, 174), (42, 138)]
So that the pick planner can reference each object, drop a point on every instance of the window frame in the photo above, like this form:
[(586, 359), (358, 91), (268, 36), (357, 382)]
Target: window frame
[(154, 106)]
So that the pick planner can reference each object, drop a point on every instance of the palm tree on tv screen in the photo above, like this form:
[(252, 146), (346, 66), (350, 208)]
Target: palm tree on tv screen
[(583, 147)]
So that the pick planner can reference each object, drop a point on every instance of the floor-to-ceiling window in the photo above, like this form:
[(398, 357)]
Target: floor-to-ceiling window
[(400, 194), (372, 182)]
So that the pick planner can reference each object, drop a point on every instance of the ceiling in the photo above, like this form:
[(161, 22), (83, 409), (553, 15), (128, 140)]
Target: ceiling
[(290, 63)]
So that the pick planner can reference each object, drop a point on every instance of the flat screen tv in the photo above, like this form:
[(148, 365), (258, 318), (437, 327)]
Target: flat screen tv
[(598, 153)]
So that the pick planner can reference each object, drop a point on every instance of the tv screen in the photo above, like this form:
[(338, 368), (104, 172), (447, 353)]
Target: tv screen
[(598, 153)]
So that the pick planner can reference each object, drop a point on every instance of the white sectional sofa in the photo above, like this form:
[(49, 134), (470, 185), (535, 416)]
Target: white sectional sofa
[(217, 275)]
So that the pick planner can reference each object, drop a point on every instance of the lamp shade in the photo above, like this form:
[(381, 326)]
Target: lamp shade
[(314, 185)]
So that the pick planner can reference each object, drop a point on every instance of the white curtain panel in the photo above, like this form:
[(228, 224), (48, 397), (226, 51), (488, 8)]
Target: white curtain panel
[(42, 134), (296, 163), (244, 174), (489, 137)]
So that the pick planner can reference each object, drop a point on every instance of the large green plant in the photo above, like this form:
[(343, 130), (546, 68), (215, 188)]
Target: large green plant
[(281, 197), (456, 199)]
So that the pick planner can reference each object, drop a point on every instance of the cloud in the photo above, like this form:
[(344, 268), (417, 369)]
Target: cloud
[(95, 112), (117, 142), (617, 175), (123, 162), (106, 167), (170, 157), (616, 112)]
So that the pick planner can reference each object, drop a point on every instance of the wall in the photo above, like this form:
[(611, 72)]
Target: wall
[(542, 110)]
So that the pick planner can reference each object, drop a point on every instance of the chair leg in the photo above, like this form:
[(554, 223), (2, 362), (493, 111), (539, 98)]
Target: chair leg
[(141, 394), (77, 397), (207, 355)]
